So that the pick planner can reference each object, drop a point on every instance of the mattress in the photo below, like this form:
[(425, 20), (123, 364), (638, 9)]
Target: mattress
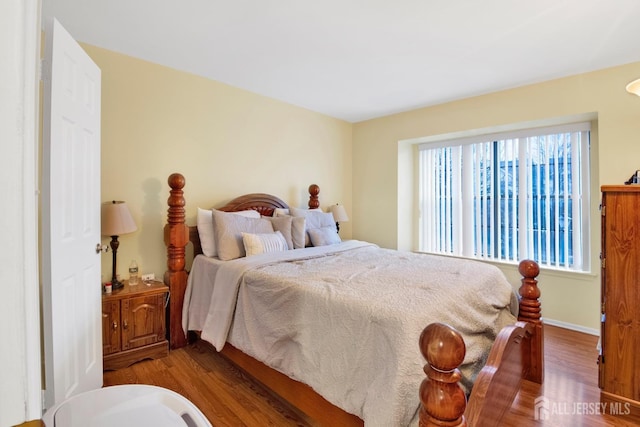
[(345, 319)]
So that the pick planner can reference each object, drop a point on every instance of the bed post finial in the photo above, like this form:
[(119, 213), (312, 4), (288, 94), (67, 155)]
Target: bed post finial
[(443, 401), (176, 238), (531, 312), (314, 190)]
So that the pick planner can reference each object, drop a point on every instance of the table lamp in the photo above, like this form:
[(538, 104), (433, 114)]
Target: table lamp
[(116, 221), (339, 215)]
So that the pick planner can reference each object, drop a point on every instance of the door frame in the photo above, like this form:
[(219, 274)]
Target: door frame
[(22, 25)]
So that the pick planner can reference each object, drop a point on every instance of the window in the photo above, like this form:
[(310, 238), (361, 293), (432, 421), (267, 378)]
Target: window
[(509, 196)]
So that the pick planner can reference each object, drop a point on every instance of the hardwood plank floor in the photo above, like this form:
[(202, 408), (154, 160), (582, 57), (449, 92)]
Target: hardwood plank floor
[(224, 393), (570, 389), (228, 397)]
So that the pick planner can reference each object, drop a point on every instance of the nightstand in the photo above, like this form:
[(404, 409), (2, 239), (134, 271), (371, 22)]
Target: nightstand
[(133, 324)]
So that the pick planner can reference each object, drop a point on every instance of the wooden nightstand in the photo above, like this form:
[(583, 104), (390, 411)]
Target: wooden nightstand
[(133, 324)]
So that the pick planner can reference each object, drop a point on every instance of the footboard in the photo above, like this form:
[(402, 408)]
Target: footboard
[(516, 354)]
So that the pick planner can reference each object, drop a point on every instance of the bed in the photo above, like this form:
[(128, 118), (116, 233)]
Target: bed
[(324, 343)]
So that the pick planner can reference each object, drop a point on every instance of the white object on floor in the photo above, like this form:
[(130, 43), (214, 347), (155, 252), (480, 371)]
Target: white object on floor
[(132, 405)]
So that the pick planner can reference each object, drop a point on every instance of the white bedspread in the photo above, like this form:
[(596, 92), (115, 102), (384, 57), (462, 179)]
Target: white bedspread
[(346, 319)]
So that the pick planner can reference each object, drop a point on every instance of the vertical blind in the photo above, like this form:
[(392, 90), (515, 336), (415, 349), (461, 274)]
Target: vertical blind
[(508, 196)]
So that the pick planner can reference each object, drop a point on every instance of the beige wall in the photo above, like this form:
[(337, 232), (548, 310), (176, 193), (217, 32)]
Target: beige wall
[(382, 165), (226, 141)]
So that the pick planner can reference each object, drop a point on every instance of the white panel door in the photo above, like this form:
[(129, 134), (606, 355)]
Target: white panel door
[(70, 218)]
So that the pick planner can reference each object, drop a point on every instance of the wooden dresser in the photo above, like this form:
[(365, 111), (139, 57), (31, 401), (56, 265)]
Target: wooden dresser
[(133, 324), (619, 360)]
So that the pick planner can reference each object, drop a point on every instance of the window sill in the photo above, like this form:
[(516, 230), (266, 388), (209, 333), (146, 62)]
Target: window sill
[(544, 270)]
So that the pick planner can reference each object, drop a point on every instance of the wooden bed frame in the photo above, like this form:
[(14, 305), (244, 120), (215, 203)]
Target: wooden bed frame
[(517, 352)]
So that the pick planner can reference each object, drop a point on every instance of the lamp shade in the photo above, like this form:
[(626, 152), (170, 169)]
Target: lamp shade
[(634, 87), (116, 219), (339, 213)]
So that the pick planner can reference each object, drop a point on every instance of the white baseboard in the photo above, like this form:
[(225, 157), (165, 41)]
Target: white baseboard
[(571, 326)]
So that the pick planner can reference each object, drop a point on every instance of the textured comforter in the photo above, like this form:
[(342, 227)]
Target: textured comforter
[(346, 319)]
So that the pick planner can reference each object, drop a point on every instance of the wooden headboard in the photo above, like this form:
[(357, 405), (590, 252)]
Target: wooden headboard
[(177, 235)]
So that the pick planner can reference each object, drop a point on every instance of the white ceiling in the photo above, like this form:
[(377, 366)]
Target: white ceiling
[(360, 59)]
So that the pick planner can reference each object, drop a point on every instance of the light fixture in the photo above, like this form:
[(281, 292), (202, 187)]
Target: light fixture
[(634, 87), (116, 221), (339, 215)]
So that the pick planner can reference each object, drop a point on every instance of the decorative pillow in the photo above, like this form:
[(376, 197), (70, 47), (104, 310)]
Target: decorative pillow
[(324, 236), (280, 212), (314, 219), (205, 229), (283, 225), (298, 232), (255, 244), (283, 212), (228, 228)]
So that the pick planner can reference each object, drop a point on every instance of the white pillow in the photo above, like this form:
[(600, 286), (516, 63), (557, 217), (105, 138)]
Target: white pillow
[(314, 219), (204, 222), (255, 244), (324, 236), (249, 213), (228, 228)]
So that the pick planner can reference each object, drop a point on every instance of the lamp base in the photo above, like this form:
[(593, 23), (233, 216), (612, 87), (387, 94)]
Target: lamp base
[(115, 285)]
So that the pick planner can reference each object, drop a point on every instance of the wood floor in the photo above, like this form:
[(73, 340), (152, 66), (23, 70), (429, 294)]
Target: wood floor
[(229, 398)]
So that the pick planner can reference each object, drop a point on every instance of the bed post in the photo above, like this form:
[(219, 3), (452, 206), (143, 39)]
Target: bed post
[(176, 238), (443, 401), (530, 312), (314, 190)]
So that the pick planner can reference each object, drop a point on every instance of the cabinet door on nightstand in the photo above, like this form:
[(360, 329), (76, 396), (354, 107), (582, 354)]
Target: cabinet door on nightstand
[(110, 327), (142, 321)]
